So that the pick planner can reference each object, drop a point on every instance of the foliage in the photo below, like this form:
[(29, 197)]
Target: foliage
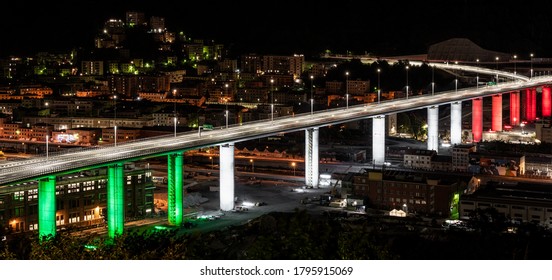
[(298, 235)]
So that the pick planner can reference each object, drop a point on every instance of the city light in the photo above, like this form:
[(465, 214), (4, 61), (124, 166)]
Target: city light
[(347, 90), (379, 89), (101, 168), (406, 81), (311, 97)]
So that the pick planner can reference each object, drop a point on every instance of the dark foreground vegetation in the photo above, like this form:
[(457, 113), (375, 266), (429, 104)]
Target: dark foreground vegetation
[(280, 236)]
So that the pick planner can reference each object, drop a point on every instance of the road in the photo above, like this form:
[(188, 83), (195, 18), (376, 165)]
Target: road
[(100, 156)]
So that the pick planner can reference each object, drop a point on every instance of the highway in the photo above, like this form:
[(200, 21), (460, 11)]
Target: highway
[(65, 162)]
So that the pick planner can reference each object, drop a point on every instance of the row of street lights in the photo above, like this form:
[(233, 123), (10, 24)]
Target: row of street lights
[(312, 97)]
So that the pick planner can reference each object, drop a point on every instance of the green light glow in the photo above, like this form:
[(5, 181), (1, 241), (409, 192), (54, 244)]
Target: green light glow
[(174, 185), (454, 213), (160, 227), (115, 200), (91, 247), (47, 207)]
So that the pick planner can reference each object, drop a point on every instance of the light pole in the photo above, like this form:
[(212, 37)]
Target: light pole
[(47, 144), (226, 102), (311, 98), (406, 81), (252, 165), (347, 90), (293, 165), (477, 77), (433, 80), (497, 58), (175, 119), (212, 166), (272, 100), (455, 85), (379, 92), (515, 57), (238, 98), (115, 118), (531, 60)]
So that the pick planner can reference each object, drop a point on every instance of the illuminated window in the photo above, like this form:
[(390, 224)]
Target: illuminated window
[(32, 195), (74, 218), (89, 215), (33, 226), (73, 188), (19, 196)]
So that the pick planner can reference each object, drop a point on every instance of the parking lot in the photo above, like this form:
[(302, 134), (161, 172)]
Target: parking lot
[(254, 198)]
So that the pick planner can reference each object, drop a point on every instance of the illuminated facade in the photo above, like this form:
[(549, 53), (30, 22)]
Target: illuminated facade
[(293, 65), (80, 200)]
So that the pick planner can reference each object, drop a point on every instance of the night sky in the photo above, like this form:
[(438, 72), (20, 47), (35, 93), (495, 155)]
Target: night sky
[(283, 27)]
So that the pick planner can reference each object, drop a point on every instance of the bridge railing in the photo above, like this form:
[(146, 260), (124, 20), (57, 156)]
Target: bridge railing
[(125, 146)]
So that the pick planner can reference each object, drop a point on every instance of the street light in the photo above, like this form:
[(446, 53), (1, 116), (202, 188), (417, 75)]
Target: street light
[(115, 118), (293, 165), (455, 85), (212, 166), (433, 80), (497, 58), (477, 77), (46, 144), (226, 102), (175, 119), (379, 92), (272, 100), (531, 60), (515, 57), (347, 90), (252, 166), (406, 81), (312, 99)]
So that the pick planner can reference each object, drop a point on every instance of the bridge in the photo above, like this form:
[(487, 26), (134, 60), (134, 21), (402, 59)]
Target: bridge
[(45, 169)]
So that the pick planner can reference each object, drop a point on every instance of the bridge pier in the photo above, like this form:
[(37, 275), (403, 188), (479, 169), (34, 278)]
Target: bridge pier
[(546, 102), (226, 177), (47, 207), (514, 108), (496, 124), (115, 200), (477, 119), (456, 123), (311, 157), (433, 128), (530, 104), (174, 188), (378, 139)]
